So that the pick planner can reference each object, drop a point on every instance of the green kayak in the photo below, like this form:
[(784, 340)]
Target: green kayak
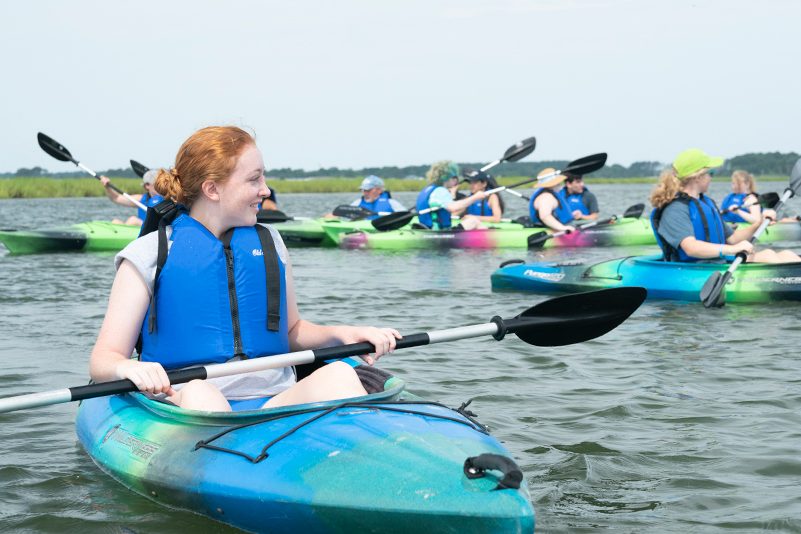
[(88, 236), (627, 231), (623, 232)]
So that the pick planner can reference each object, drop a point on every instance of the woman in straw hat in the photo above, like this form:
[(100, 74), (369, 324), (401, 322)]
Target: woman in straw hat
[(546, 206), (687, 223)]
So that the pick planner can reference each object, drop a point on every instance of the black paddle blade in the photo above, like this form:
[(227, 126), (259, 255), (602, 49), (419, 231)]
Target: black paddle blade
[(538, 239), (634, 211), (352, 212), (586, 165), (520, 150), (272, 216), (576, 318), (54, 148), (393, 221), (769, 200), (138, 168), (713, 294)]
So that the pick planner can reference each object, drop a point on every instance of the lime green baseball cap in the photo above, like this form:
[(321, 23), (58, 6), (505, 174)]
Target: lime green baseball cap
[(693, 160)]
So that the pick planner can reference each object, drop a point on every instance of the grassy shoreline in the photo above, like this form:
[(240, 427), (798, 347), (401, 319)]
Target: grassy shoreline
[(89, 187)]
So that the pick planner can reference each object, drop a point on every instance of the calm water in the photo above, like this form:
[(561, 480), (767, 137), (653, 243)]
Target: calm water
[(681, 420)]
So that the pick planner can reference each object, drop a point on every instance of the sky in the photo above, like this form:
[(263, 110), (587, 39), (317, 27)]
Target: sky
[(358, 83)]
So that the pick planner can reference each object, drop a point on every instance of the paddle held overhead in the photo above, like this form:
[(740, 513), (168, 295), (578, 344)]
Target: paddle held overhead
[(58, 151)]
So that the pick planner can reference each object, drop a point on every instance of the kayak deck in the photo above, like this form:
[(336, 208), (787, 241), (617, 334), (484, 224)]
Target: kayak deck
[(386, 462), (751, 282), (89, 236)]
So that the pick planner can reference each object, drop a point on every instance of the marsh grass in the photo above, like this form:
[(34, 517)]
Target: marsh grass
[(89, 187)]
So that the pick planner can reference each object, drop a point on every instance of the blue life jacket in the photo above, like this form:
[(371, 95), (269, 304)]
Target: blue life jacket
[(707, 225), (211, 297), (733, 199), (148, 201), (562, 212), (575, 201), (439, 219), (380, 204), (480, 208)]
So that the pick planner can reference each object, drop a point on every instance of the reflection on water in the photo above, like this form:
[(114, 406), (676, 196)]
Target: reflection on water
[(682, 419)]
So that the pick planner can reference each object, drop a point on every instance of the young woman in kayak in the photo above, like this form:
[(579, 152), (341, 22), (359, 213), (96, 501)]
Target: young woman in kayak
[(742, 204), (489, 209), (225, 291), (687, 223), (547, 206), (148, 198), (443, 176)]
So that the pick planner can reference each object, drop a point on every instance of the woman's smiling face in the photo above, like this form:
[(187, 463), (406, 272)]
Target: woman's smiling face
[(245, 188)]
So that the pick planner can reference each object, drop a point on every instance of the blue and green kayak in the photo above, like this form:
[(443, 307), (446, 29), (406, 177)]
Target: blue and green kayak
[(387, 462), (751, 282)]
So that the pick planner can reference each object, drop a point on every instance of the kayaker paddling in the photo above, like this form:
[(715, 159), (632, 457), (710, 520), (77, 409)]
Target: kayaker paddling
[(547, 207), (581, 201), (489, 209), (225, 290), (742, 204), (149, 198), (687, 223), (442, 176), (375, 199)]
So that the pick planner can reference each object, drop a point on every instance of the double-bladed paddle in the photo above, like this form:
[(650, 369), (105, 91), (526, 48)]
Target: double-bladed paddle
[(355, 213), (560, 321), (276, 216), (538, 240), (766, 200), (516, 152), (60, 152), (138, 168), (713, 294), (583, 165)]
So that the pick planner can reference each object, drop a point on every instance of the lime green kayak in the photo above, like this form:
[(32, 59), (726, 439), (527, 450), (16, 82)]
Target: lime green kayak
[(628, 231), (88, 236)]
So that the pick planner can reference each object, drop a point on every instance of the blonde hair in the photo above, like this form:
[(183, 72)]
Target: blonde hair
[(745, 179), (209, 154), (669, 185)]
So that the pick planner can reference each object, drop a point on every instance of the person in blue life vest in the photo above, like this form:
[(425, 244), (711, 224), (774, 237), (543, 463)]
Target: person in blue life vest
[(547, 207), (489, 209), (442, 178), (271, 202), (687, 223), (224, 291), (149, 198), (742, 204), (581, 201), (376, 198)]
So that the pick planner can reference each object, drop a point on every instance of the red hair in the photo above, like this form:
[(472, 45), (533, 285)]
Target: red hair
[(209, 154)]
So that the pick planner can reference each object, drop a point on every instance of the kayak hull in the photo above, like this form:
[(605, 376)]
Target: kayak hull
[(358, 468), (89, 236), (625, 232), (754, 282)]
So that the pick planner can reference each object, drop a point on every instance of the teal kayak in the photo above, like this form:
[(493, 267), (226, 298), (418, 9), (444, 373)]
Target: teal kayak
[(387, 462), (88, 236), (751, 282)]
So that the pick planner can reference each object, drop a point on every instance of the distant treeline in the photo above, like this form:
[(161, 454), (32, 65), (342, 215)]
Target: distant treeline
[(759, 163)]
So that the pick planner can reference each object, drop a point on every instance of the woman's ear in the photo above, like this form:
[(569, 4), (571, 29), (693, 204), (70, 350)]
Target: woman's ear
[(210, 190)]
